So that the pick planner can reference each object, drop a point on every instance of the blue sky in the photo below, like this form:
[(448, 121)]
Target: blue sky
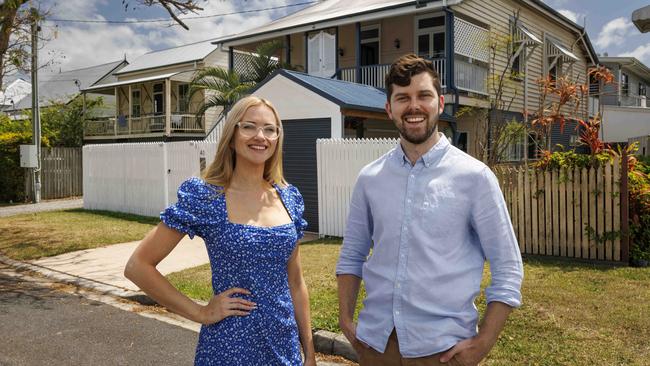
[(74, 45)]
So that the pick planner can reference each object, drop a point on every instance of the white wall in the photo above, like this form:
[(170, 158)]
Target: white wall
[(296, 102), (621, 123)]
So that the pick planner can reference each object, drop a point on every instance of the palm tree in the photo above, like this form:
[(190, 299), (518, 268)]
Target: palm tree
[(263, 62), (222, 88)]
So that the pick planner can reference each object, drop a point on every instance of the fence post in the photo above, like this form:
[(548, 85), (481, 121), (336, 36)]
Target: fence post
[(625, 211)]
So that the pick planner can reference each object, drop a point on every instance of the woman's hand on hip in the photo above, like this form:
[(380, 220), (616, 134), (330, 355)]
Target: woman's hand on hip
[(223, 305)]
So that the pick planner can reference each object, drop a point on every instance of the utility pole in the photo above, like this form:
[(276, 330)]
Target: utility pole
[(36, 113)]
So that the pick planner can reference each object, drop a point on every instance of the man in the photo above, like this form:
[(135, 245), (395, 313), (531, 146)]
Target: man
[(432, 216)]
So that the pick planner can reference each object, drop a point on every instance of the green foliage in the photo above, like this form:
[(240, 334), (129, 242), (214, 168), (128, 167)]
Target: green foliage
[(639, 186), (61, 125), (570, 159), (12, 179), (223, 88)]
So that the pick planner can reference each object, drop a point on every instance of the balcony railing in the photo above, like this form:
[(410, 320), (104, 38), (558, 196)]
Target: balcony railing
[(374, 75), (470, 77), (143, 125), (634, 101)]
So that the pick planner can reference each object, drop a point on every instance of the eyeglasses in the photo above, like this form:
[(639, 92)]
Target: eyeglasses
[(250, 129)]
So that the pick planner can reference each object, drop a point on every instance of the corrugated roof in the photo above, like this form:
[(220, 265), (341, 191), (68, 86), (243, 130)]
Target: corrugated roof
[(131, 81), (63, 86), (171, 56), (321, 12), (15, 91), (343, 93)]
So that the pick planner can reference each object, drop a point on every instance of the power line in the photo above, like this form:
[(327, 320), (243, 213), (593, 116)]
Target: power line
[(170, 19)]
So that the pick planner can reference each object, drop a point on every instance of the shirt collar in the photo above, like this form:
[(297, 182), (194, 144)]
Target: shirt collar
[(430, 157)]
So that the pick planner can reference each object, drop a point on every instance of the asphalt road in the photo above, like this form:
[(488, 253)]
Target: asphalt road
[(43, 326)]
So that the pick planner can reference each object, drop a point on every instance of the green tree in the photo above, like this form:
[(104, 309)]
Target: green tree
[(63, 124), (222, 88)]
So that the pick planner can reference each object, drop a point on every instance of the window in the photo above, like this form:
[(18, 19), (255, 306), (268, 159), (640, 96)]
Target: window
[(555, 71), (625, 84), (556, 55), (370, 45), (642, 89), (158, 99), (183, 98), (516, 51), (136, 104), (462, 141), (430, 36)]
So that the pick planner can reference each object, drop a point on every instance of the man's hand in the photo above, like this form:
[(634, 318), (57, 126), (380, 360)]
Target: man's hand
[(468, 352), (349, 329)]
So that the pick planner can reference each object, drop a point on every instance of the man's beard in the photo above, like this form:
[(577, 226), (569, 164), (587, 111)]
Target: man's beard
[(414, 137)]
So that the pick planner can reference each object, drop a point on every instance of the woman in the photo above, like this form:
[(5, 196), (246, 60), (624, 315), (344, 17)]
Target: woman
[(250, 220)]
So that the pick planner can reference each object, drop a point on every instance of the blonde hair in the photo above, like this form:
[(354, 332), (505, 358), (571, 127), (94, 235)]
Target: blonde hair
[(221, 170)]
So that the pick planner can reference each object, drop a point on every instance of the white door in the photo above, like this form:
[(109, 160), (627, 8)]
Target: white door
[(321, 58)]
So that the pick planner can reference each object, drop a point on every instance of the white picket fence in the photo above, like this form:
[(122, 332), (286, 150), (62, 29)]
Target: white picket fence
[(339, 162), (140, 178)]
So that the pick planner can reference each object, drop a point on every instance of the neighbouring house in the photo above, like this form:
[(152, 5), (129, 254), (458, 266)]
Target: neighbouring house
[(641, 19), (342, 43), (64, 86), (14, 93), (624, 104), (152, 97)]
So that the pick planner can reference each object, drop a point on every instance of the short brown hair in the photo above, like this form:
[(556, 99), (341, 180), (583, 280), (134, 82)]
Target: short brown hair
[(407, 66)]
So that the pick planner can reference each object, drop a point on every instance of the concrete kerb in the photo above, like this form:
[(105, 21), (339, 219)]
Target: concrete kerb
[(324, 341)]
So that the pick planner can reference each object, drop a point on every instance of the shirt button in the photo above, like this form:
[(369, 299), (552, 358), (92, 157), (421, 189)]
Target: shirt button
[(412, 176), (397, 312), (409, 201), (397, 285), (402, 255)]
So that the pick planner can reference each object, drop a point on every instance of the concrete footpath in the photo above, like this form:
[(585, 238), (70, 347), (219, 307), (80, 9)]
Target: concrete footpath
[(101, 270), (50, 205)]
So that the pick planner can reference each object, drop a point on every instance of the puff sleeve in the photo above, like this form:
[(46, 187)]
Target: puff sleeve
[(189, 213), (298, 209)]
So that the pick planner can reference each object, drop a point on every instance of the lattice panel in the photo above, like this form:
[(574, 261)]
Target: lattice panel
[(471, 40), (242, 63)]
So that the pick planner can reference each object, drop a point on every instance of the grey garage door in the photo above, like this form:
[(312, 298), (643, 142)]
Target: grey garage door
[(299, 161)]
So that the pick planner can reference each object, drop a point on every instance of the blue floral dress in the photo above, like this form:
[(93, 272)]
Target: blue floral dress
[(250, 257)]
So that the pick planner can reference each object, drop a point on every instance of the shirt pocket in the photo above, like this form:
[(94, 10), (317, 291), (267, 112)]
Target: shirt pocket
[(442, 214)]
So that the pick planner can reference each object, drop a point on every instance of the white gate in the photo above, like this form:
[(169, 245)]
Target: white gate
[(339, 162)]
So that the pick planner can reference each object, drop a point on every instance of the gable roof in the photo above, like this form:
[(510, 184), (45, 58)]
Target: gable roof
[(63, 86), (330, 13), (171, 56), (346, 94)]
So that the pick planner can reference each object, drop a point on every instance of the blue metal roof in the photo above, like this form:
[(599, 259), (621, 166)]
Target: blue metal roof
[(343, 93)]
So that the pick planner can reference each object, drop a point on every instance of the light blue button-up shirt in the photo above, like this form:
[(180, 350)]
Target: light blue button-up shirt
[(431, 227)]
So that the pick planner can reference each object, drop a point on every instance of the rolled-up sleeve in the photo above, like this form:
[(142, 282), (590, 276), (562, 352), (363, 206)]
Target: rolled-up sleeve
[(357, 239), (491, 222)]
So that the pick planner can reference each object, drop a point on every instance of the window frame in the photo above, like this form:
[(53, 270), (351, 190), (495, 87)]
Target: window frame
[(179, 99), (134, 104), (431, 32)]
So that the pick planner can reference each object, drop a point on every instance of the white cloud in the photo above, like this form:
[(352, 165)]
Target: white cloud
[(87, 44), (642, 53), (614, 32), (573, 16)]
